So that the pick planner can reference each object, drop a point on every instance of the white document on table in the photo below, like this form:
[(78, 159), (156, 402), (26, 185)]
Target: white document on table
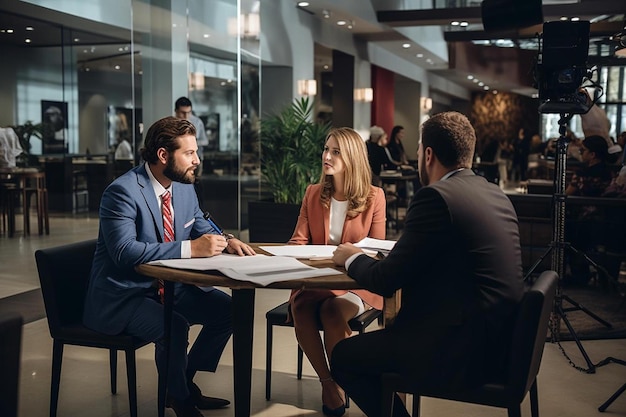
[(376, 244), (259, 269), (311, 252)]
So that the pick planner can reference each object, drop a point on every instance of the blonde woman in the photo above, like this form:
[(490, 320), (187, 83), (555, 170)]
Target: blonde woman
[(342, 207)]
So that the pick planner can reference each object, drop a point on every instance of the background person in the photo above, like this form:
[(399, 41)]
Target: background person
[(396, 148), (132, 232), (458, 263), (342, 207), (376, 154), (182, 109)]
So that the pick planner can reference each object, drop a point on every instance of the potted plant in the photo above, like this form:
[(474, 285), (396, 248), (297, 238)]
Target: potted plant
[(291, 148)]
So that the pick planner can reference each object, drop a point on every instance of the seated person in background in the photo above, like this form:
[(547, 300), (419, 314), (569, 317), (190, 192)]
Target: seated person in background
[(343, 207), (458, 263), (123, 151), (592, 179), (395, 148), (151, 212), (376, 154)]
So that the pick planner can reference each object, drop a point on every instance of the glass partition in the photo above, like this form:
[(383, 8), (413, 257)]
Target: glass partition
[(90, 79)]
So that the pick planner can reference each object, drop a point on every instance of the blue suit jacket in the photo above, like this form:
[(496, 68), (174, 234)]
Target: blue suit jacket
[(131, 233)]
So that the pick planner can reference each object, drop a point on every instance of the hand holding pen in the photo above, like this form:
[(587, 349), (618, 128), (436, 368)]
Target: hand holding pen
[(233, 245)]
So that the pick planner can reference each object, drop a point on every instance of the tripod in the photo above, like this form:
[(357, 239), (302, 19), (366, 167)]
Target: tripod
[(617, 393), (558, 246)]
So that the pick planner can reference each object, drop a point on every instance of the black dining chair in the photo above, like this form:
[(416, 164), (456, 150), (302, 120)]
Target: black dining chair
[(10, 352), (278, 317), (64, 274), (528, 339)]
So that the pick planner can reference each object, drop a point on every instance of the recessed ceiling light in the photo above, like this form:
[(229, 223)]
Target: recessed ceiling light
[(481, 84), (470, 77), (303, 3), (325, 66), (494, 91), (120, 49), (206, 35), (223, 83), (341, 22), (9, 30), (87, 69), (455, 23), (27, 41), (76, 40), (430, 61), (563, 18), (475, 80), (486, 88), (419, 55), (173, 25), (575, 19), (406, 45), (464, 24), (29, 28), (326, 14), (117, 67)]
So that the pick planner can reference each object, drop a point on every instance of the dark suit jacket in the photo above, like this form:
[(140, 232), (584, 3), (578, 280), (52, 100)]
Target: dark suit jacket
[(131, 233), (458, 263)]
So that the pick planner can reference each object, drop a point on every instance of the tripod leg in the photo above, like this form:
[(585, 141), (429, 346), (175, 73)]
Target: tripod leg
[(593, 263), (590, 365), (584, 309), (608, 402), (536, 264)]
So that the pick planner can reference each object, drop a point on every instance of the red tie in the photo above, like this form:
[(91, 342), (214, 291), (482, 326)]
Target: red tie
[(168, 229)]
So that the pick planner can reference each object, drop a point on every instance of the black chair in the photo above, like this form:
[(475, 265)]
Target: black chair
[(64, 274), (278, 317), (10, 351), (528, 339)]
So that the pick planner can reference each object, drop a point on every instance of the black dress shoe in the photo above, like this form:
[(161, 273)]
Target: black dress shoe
[(185, 408), (203, 402)]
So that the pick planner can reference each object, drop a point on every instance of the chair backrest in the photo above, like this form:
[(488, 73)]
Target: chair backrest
[(10, 350), (529, 333), (64, 274)]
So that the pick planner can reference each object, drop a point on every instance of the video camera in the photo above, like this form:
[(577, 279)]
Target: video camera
[(562, 67)]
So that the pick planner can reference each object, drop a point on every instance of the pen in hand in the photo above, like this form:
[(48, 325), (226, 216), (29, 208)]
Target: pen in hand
[(208, 218)]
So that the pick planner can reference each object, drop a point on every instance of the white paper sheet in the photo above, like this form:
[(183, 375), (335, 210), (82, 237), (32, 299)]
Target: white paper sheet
[(376, 244), (259, 269), (311, 252)]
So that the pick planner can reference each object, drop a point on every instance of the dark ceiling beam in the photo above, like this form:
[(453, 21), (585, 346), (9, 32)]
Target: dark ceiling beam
[(599, 29), (437, 17)]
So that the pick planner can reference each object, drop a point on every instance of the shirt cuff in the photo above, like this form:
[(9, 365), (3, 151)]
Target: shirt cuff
[(185, 249), (352, 258)]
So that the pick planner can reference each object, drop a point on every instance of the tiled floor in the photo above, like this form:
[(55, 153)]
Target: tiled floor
[(563, 391)]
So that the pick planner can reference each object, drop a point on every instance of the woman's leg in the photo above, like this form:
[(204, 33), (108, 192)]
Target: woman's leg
[(334, 314), (305, 322)]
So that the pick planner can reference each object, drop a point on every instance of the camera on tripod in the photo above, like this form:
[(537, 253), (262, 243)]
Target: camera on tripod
[(562, 67)]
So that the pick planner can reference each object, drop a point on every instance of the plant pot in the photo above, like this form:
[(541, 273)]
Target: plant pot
[(271, 222)]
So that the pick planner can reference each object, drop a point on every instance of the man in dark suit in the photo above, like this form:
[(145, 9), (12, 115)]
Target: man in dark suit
[(133, 231), (458, 263)]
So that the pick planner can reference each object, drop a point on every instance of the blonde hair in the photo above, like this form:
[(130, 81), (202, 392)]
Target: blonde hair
[(358, 175)]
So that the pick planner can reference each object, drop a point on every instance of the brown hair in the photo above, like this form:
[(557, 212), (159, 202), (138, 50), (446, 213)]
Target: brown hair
[(358, 175), (451, 137), (163, 134)]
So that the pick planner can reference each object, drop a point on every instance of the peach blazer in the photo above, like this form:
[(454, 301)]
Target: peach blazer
[(314, 222)]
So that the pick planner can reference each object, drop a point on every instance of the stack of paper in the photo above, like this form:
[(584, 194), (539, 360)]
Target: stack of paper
[(259, 269)]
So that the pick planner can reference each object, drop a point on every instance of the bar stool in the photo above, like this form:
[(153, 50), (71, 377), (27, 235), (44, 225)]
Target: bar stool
[(34, 184)]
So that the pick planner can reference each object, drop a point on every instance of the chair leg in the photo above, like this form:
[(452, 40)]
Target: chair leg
[(57, 359), (416, 405), (113, 368), (131, 376), (268, 361), (515, 411), (300, 359), (534, 400)]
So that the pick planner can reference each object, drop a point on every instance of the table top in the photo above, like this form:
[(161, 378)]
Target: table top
[(341, 281)]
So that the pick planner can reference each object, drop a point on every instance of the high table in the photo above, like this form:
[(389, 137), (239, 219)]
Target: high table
[(243, 294)]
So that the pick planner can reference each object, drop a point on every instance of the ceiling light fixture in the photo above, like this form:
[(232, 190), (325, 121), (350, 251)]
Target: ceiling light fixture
[(419, 55), (341, 22), (455, 23), (27, 41), (326, 14), (29, 28), (303, 4), (406, 45)]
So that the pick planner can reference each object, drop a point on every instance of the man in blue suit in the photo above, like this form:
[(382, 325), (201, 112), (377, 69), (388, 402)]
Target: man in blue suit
[(131, 233)]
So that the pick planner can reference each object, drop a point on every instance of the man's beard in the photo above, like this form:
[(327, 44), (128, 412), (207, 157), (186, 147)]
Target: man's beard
[(174, 173)]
